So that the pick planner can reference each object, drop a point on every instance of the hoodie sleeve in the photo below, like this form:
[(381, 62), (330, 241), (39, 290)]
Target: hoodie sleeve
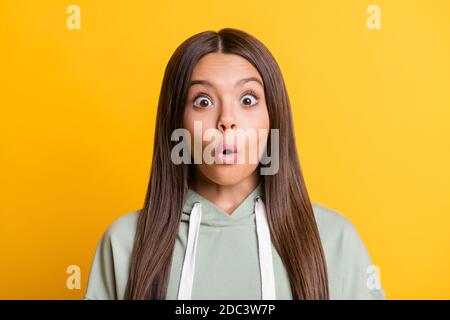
[(110, 268), (351, 275), (102, 279), (361, 279)]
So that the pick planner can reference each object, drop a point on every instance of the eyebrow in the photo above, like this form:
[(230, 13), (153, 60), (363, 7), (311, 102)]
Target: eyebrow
[(240, 82)]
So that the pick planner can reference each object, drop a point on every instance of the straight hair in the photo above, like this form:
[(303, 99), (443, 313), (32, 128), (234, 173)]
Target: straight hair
[(290, 216)]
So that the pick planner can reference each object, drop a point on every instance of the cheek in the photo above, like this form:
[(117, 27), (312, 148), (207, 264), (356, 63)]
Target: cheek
[(192, 117), (264, 121), (259, 123), (188, 119), (263, 125), (256, 119), (197, 123), (188, 122)]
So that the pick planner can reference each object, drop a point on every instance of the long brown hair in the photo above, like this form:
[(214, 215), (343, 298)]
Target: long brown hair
[(290, 215)]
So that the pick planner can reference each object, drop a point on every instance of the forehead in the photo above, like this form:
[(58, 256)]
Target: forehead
[(224, 70)]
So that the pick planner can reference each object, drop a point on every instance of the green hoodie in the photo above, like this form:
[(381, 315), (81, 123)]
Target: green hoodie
[(229, 256)]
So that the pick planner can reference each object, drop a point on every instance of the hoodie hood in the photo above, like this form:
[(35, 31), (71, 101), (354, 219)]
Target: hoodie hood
[(199, 212), (214, 216)]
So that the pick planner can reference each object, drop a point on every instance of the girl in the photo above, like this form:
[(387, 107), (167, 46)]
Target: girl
[(229, 230)]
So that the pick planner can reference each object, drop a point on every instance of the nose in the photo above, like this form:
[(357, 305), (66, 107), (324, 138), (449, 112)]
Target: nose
[(227, 119)]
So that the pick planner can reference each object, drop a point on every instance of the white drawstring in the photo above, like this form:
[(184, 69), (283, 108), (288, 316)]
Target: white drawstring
[(264, 252), (187, 273)]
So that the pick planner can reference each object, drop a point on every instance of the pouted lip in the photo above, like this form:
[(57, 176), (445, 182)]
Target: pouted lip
[(224, 147)]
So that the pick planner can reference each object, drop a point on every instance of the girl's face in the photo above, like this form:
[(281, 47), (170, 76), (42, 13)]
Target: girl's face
[(226, 95)]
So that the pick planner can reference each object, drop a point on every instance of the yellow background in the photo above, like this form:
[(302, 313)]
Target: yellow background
[(78, 108)]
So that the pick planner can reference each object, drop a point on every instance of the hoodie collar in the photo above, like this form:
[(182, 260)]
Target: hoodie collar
[(215, 216)]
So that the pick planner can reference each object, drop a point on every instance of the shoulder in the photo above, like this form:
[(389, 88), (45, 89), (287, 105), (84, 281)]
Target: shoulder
[(348, 261), (121, 232), (124, 226), (339, 236), (111, 264), (333, 225)]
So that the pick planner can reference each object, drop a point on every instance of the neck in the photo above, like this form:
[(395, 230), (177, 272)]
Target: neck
[(227, 197)]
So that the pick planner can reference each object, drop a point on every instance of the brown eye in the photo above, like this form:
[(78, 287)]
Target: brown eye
[(202, 102), (249, 100)]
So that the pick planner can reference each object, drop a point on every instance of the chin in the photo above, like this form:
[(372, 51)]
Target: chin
[(228, 174)]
